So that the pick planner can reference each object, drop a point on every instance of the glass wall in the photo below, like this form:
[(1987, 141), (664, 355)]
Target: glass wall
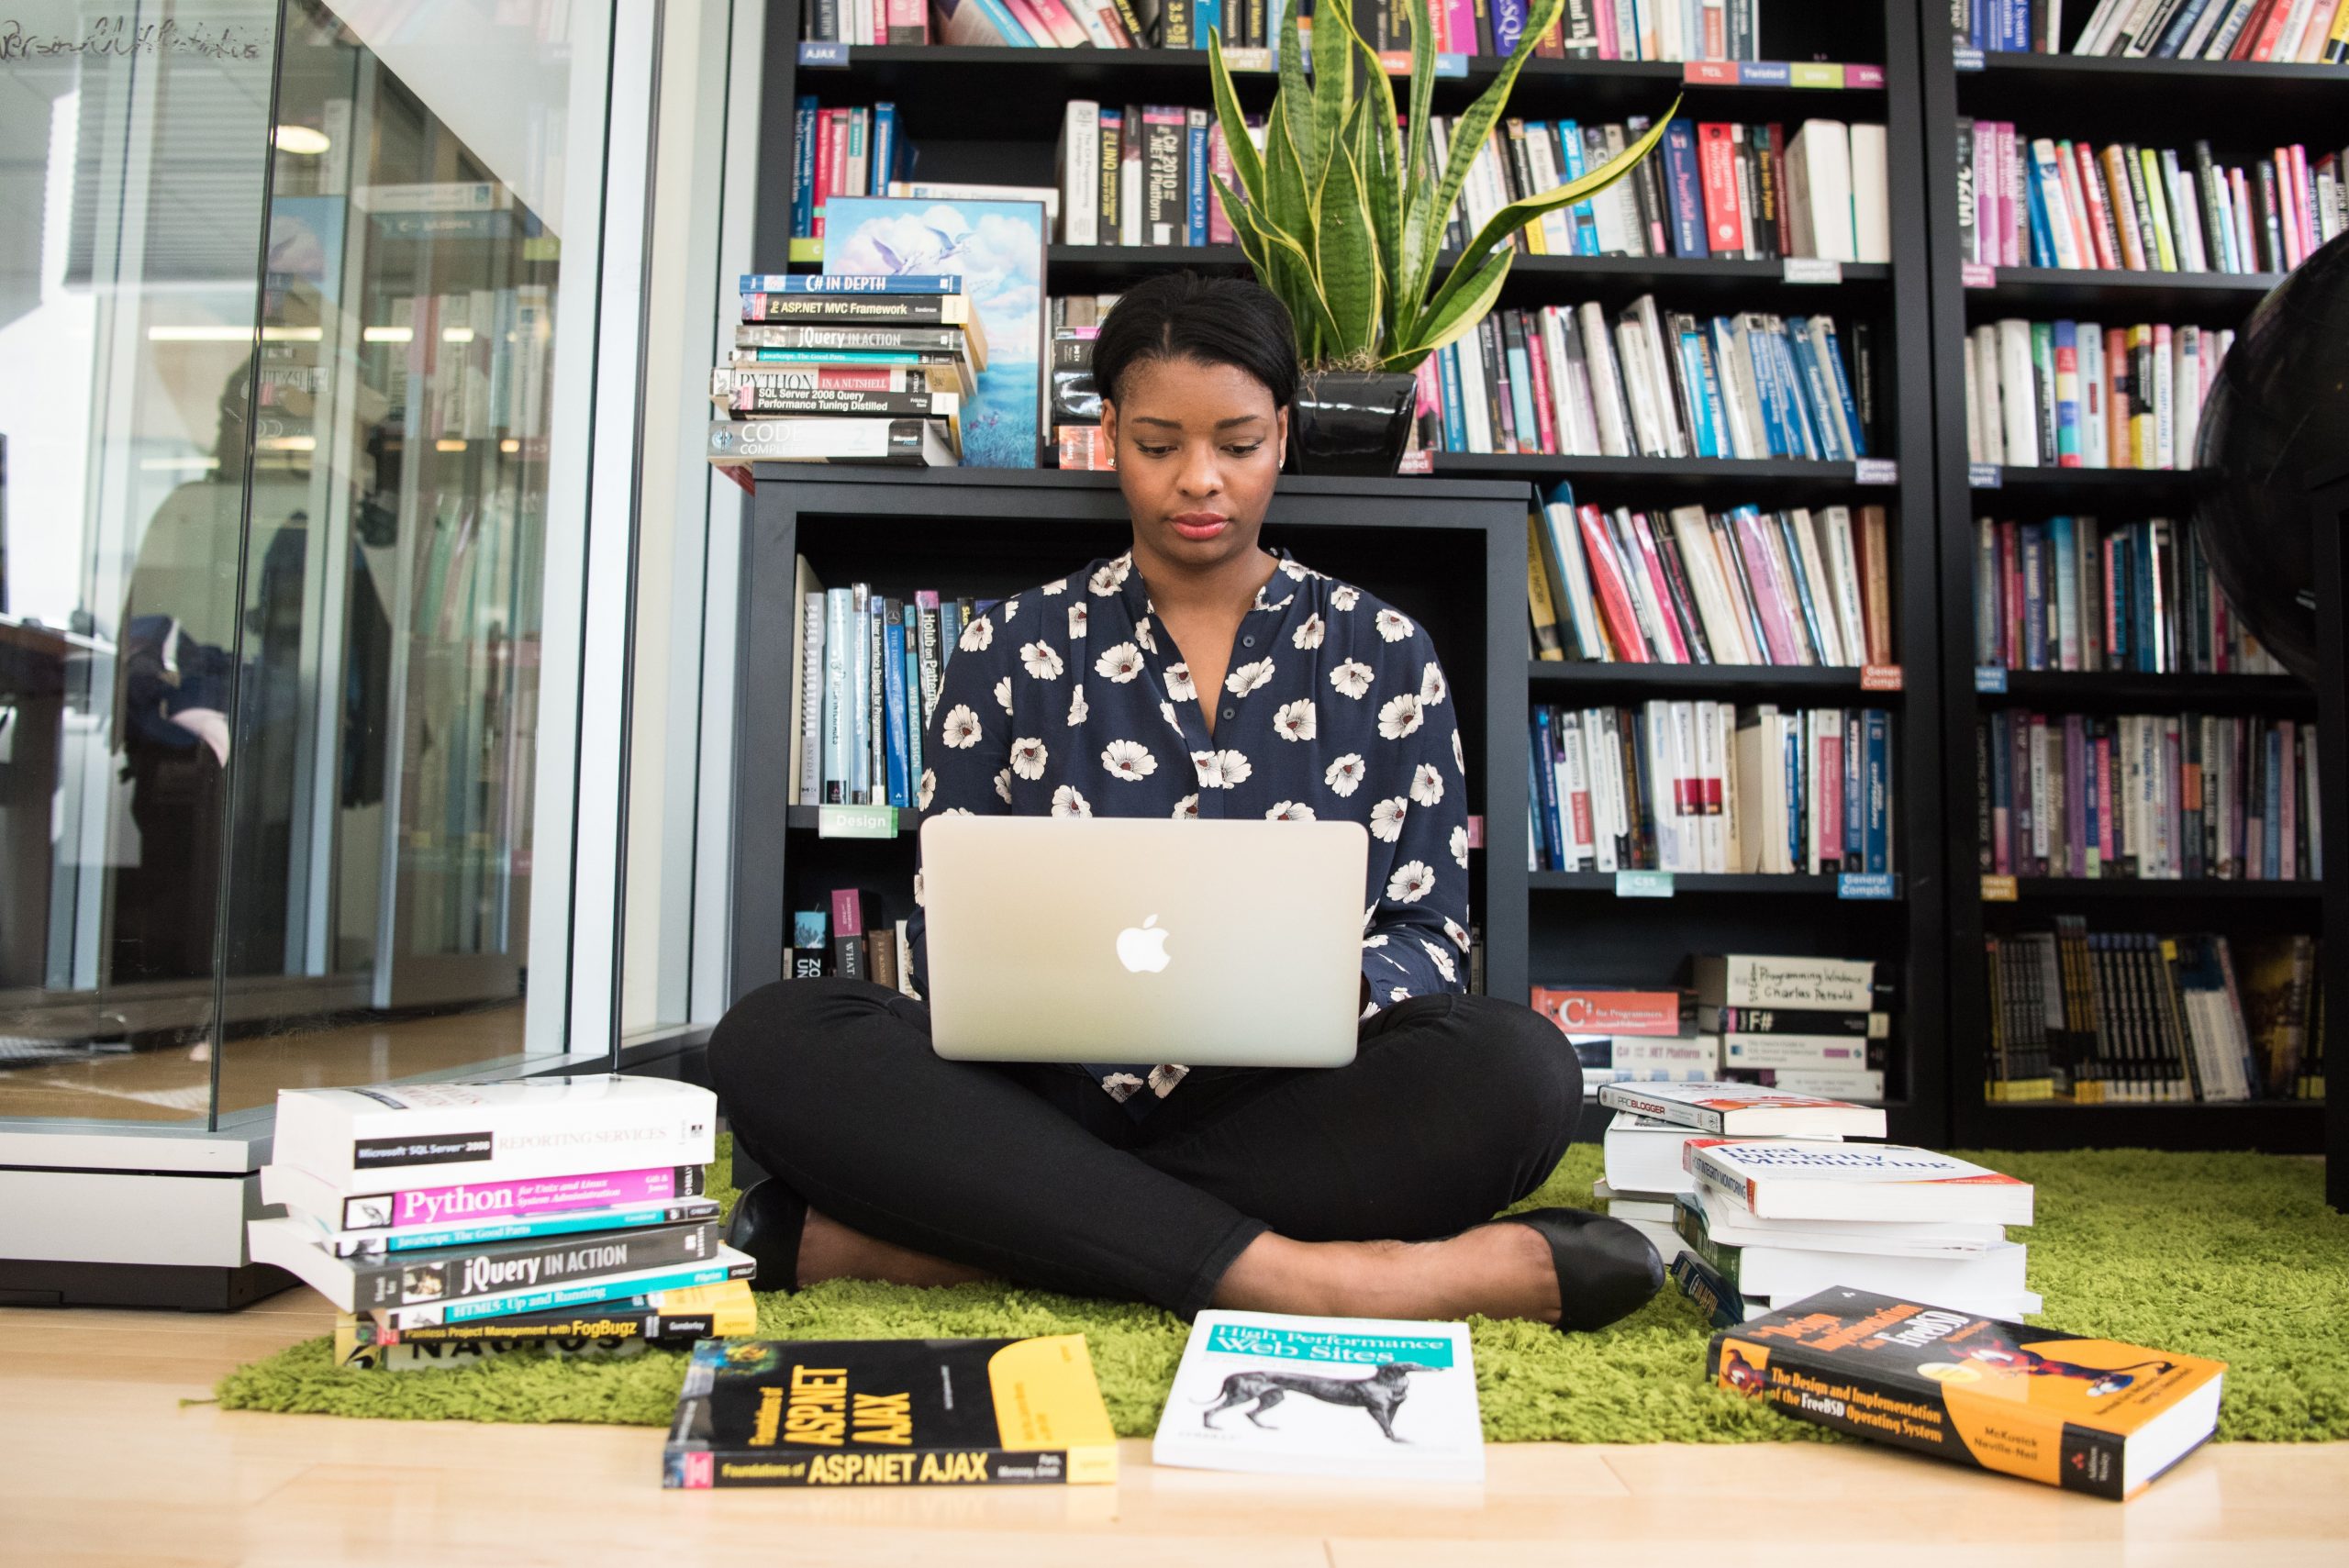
[(280, 289)]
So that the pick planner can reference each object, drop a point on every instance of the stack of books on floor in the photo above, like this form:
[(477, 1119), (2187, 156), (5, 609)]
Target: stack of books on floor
[(453, 1222), (1690, 587), (1762, 1198), (871, 664), (848, 368), (2136, 1018), (1792, 1024)]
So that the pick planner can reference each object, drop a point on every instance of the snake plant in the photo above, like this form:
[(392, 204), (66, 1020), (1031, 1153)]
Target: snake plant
[(1343, 213)]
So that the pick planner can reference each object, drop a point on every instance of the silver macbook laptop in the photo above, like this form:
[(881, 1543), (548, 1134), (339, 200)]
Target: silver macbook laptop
[(1121, 939)]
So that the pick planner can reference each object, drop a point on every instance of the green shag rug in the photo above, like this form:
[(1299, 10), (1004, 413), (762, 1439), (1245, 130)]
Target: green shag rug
[(2228, 1255)]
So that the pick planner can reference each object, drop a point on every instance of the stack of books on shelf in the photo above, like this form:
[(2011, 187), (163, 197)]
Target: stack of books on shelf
[(1711, 786), (1142, 174), (2046, 201), (870, 669), (2134, 1018), (1566, 380), (449, 1222), (848, 368), (1825, 1029), (1689, 586), (2068, 593), (2306, 32), (2078, 394), (2156, 796), (1805, 1026), (851, 938), (1077, 437)]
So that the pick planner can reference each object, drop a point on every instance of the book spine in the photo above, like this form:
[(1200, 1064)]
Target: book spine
[(491, 1231), (379, 1283)]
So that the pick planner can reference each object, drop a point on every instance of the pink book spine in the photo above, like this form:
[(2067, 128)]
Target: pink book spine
[(1032, 23), (2287, 803), (1063, 28), (1459, 26), (908, 22), (542, 1194), (1831, 796), (1219, 164), (2303, 188), (1777, 627), (1547, 437), (1604, 18), (1659, 587), (2107, 798)]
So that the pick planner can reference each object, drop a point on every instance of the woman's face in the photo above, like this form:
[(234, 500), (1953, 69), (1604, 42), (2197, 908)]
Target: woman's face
[(1199, 447)]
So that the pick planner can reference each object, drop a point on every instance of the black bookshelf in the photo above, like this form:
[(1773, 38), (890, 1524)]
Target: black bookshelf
[(2243, 110), (993, 114), (990, 532)]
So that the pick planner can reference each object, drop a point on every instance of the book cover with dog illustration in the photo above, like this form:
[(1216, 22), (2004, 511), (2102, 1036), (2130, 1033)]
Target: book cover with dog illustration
[(890, 1413), (1324, 1397), (2085, 1414)]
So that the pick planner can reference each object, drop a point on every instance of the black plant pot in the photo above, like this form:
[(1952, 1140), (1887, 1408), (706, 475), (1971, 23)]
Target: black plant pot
[(1352, 422)]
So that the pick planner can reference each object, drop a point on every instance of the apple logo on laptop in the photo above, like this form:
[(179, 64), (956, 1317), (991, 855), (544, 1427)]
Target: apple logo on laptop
[(1142, 949)]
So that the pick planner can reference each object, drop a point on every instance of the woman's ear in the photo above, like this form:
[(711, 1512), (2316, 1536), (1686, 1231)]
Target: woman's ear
[(1109, 423), (1280, 439)]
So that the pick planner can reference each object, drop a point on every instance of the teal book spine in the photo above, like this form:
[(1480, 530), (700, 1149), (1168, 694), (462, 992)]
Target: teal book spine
[(893, 702)]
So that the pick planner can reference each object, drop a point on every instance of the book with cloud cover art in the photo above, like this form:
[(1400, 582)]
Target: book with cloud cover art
[(998, 249), (1290, 1395)]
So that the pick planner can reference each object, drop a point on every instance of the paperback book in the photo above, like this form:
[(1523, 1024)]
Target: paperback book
[(890, 1413), (396, 1136), (2087, 1414), (1292, 1395)]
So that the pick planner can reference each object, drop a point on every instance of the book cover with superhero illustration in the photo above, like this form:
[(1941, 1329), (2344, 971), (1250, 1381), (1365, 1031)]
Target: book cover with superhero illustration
[(2085, 1414), (890, 1412)]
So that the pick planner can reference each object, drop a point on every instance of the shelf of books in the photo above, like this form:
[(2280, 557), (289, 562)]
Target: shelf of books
[(1719, 364), (856, 583), (2131, 825)]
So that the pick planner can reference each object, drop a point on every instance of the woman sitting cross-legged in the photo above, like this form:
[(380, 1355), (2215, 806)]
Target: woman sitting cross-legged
[(1196, 676)]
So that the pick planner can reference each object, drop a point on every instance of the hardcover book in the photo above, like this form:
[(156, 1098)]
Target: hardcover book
[(890, 1412), (396, 1136), (1357, 1396), (2087, 1414), (998, 247)]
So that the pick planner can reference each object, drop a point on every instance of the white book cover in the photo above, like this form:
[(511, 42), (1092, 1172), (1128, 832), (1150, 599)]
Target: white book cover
[(1871, 210), (1080, 173), (392, 1137), (1798, 1180), (1790, 1273), (1731, 1226), (1607, 388), (1739, 1110), (1784, 979), (2017, 396), (1352, 1396)]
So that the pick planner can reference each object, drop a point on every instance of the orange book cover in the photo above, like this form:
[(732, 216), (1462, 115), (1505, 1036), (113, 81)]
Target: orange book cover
[(2085, 1414)]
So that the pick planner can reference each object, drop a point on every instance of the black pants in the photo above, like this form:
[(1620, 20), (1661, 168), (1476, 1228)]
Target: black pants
[(1453, 1108)]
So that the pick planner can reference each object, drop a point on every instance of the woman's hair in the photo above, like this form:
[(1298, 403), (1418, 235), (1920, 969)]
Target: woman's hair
[(1213, 321)]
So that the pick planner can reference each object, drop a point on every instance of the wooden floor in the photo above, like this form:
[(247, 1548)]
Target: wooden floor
[(175, 1083), (100, 1464)]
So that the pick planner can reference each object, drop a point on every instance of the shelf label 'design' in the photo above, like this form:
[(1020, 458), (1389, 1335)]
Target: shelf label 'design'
[(856, 822)]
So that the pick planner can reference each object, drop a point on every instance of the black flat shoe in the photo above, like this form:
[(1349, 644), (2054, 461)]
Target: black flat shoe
[(1606, 1269), (766, 1223)]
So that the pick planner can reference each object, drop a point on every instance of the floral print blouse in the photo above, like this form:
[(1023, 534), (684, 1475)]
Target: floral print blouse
[(1064, 700)]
